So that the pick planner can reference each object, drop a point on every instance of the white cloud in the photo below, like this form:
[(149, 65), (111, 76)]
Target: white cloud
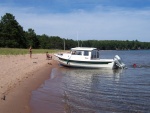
[(102, 23)]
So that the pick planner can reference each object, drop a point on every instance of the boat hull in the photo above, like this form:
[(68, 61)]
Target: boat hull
[(87, 64)]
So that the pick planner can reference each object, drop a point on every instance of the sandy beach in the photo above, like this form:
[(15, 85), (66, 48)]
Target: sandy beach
[(19, 76)]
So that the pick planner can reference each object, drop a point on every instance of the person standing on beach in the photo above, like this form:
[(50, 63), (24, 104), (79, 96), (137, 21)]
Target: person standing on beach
[(30, 51)]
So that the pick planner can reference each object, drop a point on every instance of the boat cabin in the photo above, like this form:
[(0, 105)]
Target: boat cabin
[(87, 53)]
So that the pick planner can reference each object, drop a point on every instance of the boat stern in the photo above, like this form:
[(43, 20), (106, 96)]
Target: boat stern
[(118, 62)]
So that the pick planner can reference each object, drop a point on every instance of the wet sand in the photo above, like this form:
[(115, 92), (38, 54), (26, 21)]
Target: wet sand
[(19, 76), (49, 97)]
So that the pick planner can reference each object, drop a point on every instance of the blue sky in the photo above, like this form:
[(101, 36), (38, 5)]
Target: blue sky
[(90, 19)]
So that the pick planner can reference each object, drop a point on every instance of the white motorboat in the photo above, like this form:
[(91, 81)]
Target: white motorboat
[(88, 58)]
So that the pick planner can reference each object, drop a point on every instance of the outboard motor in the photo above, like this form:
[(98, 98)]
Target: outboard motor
[(118, 62)]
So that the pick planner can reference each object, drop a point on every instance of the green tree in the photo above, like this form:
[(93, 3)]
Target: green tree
[(56, 42), (69, 43), (11, 33), (44, 41), (31, 38)]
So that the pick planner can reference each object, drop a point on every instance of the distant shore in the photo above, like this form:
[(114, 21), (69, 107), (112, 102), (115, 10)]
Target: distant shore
[(19, 76)]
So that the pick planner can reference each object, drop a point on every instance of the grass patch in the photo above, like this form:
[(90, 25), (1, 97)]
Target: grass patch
[(16, 51)]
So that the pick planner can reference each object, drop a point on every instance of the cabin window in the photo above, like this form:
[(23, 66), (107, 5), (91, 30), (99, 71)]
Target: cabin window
[(78, 53), (93, 55), (97, 54), (86, 53), (73, 52)]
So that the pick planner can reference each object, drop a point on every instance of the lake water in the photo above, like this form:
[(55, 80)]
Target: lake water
[(74, 90)]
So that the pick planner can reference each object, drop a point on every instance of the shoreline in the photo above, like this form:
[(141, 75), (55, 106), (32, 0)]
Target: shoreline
[(18, 82)]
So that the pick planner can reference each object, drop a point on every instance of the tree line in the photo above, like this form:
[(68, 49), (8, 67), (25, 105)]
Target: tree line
[(12, 35)]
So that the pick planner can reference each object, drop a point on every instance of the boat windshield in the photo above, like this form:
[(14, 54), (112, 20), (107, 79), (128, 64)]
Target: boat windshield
[(86, 53), (77, 52), (95, 54)]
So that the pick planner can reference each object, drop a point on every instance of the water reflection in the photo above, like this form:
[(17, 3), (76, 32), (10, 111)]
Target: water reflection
[(96, 91), (84, 89), (85, 75), (74, 90)]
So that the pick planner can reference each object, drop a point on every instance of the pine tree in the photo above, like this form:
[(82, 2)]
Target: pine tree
[(11, 33)]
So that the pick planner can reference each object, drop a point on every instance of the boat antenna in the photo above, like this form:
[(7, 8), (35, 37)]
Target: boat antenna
[(64, 44), (77, 39), (81, 43)]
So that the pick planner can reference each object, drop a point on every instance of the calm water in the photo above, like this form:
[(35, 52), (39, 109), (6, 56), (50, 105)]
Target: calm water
[(73, 90)]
